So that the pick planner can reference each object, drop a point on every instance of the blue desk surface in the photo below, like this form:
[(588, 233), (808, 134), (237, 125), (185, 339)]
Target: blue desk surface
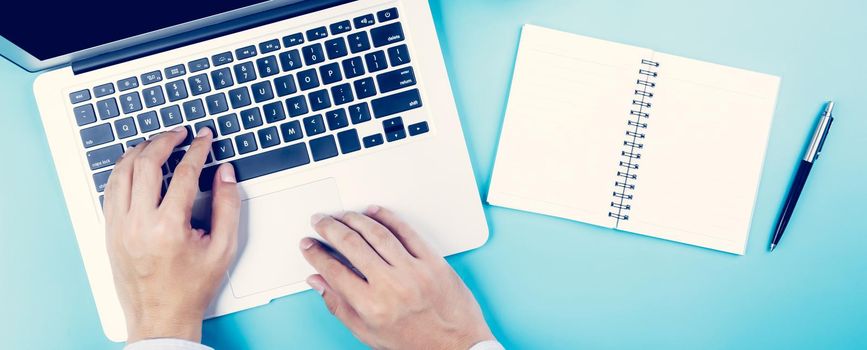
[(545, 282)]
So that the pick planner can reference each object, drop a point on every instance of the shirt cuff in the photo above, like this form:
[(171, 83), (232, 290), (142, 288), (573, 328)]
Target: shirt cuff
[(167, 344), (488, 345)]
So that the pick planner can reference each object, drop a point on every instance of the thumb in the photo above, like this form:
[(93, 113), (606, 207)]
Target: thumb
[(225, 211)]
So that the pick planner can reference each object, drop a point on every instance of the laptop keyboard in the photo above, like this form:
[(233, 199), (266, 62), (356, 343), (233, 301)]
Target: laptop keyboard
[(283, 103)]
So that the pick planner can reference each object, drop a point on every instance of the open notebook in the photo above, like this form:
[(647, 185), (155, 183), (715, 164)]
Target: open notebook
[(632, 139)]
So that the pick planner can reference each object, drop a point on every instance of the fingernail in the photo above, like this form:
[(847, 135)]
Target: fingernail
[(318, 287), (306, 243), (373, 209), (204, 132), (315, 219), (227, 174), (179, 129)]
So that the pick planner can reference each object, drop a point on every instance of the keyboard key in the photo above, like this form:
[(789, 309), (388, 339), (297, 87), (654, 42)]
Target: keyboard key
[(397, 103), (79, 96), (317, 33), (364, 88), (240, 97), (274, 112), (171, 115), (330, 73), (293, 40), (269, 46), (363, 21), (336, 119), (84, 114), (267, 66), (353, 67), (373, 141), (395, 80), (176, 90), (358, 42), (153, 96), (208, 123), (194, 109), (125, 128), (222, 78), (387, 15), (314, 125), (375, 61), (261, 164), (359, 113), (313, 54), (216, 103), (228, 124), (251, 118), (348, 141), (335, 48), (134, 142), (244, 72), (323, 148), (175, 71), (148, 121), (308, 79), (387, 34), (199, 65), (199, 84), (104, 157), (107, 108), (269, 137), (100, 180), (222, 58), (398, 55), (152, 77), (291, 131), (296, 105), (290, 60), (392, 124), (285, 85), (103, 90), (418, 129), (262, 91), (342, 94), (395, 135), (223, 149), (189, 139), (96, 135), (340, 27), (246, 143), (174, 159), (319, 100), (245, 52), (128, 83)]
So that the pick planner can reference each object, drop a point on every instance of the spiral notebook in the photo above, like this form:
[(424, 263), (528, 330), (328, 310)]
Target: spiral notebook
[(632, 139)]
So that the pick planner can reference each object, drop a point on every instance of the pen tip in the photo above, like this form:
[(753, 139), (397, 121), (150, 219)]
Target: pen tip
[(773, 246)]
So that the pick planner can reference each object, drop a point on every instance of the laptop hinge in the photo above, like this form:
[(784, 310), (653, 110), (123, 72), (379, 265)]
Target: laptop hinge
[(202, 34)]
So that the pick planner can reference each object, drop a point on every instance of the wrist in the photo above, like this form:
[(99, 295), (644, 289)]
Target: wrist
[(474, 337), (145, 327)]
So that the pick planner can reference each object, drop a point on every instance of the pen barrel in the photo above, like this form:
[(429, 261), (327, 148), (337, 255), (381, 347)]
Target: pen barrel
[(792, 199)]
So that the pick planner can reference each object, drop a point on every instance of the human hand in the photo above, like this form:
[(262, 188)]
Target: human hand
[(411, 298), (165, 271)]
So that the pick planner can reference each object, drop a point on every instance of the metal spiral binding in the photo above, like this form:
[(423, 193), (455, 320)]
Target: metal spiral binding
[(632, 146)]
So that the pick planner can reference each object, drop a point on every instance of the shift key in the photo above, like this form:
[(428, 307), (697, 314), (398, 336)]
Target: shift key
[(399, 102)]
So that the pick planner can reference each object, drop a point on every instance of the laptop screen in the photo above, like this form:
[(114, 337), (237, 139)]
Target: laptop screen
[(56, 28)]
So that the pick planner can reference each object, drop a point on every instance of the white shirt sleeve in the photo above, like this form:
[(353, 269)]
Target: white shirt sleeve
[(166, 344), (488, 345)]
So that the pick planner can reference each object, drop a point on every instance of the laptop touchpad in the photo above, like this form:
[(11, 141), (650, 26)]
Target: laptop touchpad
[(270, 229)]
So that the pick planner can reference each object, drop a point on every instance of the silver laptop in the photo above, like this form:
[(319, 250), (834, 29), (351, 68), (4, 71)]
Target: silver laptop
[(320, 105)]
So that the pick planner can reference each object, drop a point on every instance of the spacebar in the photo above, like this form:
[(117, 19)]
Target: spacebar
[(260, 164)]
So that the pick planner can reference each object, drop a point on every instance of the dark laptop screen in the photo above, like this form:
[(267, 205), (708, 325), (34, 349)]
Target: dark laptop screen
[(55, 28)]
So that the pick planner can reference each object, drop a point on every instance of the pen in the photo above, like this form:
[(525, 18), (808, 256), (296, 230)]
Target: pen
[(803, 171)]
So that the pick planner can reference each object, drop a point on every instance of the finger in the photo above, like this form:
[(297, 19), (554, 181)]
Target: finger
[(185, 181), (336, 303), (225, 211), (119, 186), (413, 243), (377, 236), (147, 173), (349, 243), (338, 275)]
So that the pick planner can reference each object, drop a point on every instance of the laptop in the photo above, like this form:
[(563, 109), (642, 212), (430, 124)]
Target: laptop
[(320, 105)]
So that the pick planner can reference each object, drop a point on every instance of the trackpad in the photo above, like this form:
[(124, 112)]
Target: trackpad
[(271, 227)]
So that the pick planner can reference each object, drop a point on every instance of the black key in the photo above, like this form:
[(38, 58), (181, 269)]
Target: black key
[(348, 141), (395, 135), (373, 141), (269, 46), (267, 66), (176, 90), (398, 55), (151, 77), (228, 124), (319, 100), (313, 125), (392, 124), (251, 118), (375, 61), (222, 58), (317, 33), (363, 21), (216, 103), (342, 94), (418, 128), (285, 85), (199, 65), (358, 42), (107, 108), (359, 113), (223, 149), (291, 131), (274, 112), (100, 180), (189, 139), (353, 67), (246, 143), (397, 103), (335, 48), (308, 79), (84, 114), (148, 121), (175, 71), (104, 157), (134, 142), (323, 148), (103, 90), (240, 97), (330, 73), (206, 124), (199, 84), (336, 119), (194, 109), (290, 60), (153, 96), (244, 72), (262, 91), (171, 115), (79, 96), (222, 78), (313, 54), (261, 164), (364, 88), (340, 27), (96, 135), (128, 83), (395, 80), (293, 40), (125, 128), (387, 15), (269, 137), (296, 105), (175, 159), (245, 52), (387, 34)]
